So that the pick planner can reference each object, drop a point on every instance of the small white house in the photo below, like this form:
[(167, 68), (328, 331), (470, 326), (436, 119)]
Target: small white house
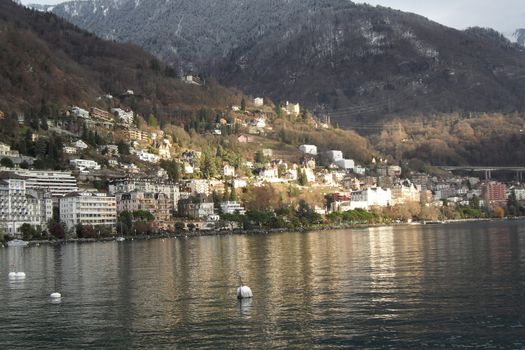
[(258, 101), (259, 123), (84, 164), (69, 150), (359, 170), (188, 168), (292, 108), (308, 149), (232, 207), (148, 157), (228, 171), (79, 112), (123, 116), (269, 173), (81, 145)]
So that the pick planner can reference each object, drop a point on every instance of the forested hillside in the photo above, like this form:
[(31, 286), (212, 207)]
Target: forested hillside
[(45, 58)]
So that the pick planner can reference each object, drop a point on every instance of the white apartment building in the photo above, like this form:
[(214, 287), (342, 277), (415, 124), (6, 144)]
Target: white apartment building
[(370, 197), (84, 164), (88, 208), (308, 149), (346, 164), (58, 183), (19, 206), (232, 207), (334, 155)]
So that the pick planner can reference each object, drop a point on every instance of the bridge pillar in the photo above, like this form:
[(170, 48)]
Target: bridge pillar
[(488, 174)]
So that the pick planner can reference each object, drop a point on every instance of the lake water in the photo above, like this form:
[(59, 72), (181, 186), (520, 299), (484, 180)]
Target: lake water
[(443, 286)]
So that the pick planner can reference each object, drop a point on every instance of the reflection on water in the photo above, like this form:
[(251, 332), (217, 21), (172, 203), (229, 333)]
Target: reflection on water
[(388, 287)]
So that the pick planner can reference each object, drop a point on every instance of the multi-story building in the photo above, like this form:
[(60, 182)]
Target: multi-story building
[(88, 208), (138, 135), (165, 149), (198, 186), (201, 210), (519, 193), (19, 206), (58, 183), (405, 192), (494, 194), (158, 204), (6, 151), (123, 116), (147, 185), (334, 155), (79, 112), (371, 197), (346, 164)]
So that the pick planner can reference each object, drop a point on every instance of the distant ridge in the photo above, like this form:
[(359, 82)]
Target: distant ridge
[(356, 61)]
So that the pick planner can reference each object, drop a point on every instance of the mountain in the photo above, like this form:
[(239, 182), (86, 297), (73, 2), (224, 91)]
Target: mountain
[(358, 62), (520, 36), (45, 58)]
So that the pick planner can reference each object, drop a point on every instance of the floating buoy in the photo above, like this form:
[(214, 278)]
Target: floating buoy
[(244, 292), (17, 275), (55, 295)]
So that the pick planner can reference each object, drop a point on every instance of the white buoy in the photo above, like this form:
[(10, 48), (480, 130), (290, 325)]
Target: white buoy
[(17, 275), (55, 295), (244, 292)]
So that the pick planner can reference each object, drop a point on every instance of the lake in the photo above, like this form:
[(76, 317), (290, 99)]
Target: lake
[(404, 287)]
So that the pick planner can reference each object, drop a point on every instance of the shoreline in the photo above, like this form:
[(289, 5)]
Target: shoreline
[(260, 231)]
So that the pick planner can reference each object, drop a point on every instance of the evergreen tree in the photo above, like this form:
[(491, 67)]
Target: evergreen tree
[(301, 177), (233, 195), (152, 121), (208, 166)]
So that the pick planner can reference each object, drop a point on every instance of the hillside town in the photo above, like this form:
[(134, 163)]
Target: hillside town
[(145, 181)]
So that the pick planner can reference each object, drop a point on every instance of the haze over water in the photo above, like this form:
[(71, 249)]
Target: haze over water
[(446, 286)]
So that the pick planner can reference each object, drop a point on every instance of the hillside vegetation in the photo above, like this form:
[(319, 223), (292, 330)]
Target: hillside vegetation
[(44, 58), (453, 139)]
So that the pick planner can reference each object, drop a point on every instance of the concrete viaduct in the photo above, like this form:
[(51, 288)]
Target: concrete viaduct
[(488, 170)]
